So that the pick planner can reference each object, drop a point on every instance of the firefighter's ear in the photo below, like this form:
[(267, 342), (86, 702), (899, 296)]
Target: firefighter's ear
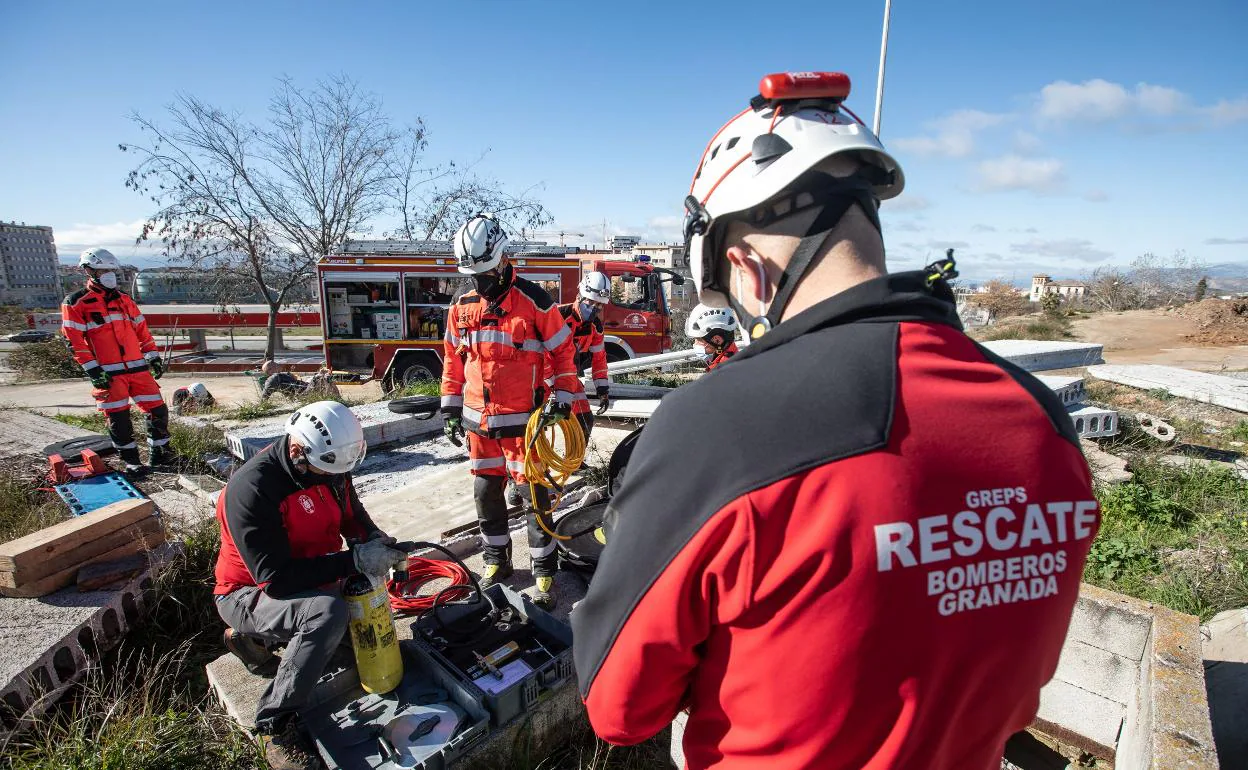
[(749, 273)]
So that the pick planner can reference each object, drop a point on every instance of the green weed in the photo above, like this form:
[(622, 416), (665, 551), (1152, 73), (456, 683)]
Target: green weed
[(24, 508), (1027, 328), (418, 388), (192, 443), (1176, 536), (1161, 394)]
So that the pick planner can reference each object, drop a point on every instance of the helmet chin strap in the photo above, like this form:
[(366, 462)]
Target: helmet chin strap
[(835, 206)]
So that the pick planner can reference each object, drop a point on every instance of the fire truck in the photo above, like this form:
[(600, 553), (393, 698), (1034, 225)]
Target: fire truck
[(384, 303)]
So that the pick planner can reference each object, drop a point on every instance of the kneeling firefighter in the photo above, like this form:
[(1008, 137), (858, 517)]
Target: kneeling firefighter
[(283, 517), (497, 339)]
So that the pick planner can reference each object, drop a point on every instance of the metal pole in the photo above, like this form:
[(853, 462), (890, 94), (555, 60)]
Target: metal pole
[(879, 83)]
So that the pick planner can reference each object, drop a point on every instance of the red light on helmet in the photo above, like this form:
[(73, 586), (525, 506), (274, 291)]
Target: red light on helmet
[(787, 86)]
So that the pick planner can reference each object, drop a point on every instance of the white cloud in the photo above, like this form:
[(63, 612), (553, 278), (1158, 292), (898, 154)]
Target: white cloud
[(906, 203), (1096, 196), (1014, 172), (1079, 249), (1101, 101), (117, 237), (983, 229), (1026, 143), (954, 134), (1225, 112), (942, 245), (1226, 241)]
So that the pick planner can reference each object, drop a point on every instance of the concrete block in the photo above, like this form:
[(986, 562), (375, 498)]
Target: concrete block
[(1239, 467), (381, 428), (1068, 389), (1228, 392), (1106, 468), (1080, 718), (1156, 427), (1036, 355), (1225, 652), (47, 643), (1093, 421)]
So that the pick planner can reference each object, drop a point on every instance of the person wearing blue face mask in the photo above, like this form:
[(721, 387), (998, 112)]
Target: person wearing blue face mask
[(713, 331)]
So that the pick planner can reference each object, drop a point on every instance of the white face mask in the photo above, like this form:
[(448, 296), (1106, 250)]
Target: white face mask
[(108, 280)]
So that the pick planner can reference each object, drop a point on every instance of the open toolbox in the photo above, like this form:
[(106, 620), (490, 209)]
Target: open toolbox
[(541, 661), (431, 719)]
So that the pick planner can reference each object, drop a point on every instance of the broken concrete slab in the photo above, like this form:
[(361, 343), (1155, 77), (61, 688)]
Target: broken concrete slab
[(381, 428), (27, 433), (632, 409), (1228, 392), (1239, 467), (1039, 355), (1225, 650), (1106, 468), (46, 644), (1157, 428)]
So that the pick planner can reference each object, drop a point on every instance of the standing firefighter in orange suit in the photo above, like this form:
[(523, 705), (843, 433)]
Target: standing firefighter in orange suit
[(497, 340), (589, 350), (111, 342)]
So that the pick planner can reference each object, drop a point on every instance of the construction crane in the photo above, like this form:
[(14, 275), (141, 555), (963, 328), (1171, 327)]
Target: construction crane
[(561, 234)]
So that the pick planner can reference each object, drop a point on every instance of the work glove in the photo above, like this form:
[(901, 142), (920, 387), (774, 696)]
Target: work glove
[(604, 400), (554, 411), (157, 366), (375, 558), (454, 430), (99, 378)]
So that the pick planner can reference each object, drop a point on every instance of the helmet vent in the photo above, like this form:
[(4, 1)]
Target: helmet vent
[(768, 147), (732, 142)]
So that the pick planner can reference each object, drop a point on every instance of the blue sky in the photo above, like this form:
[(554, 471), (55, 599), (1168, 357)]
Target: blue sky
[(1059, 136)]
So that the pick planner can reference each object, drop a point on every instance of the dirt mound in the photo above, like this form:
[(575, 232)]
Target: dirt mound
[(1218, 321)]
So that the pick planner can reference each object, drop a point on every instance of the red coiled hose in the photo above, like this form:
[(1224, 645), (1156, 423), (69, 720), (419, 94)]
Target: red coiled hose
[(403, 593)]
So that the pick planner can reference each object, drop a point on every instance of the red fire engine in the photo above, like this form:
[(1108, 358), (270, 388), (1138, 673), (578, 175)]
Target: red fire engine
[(384, 303)]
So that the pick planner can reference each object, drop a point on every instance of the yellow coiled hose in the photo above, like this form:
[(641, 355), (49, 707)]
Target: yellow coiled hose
[(545, 466)]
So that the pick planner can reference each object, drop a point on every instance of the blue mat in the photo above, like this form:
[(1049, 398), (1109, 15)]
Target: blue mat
[(96, 492)]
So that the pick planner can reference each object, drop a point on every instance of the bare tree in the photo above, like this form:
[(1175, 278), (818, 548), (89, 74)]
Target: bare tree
[(432, 202), (266, 201), (1162, 281), (1000, 299), (1112, 289)]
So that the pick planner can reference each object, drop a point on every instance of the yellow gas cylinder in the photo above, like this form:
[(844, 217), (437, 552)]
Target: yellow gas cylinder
[(373, 637)]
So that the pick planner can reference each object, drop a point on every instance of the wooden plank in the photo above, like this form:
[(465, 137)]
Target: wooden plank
[(60, 538), (66, 577), (144, 529), (103, 573)]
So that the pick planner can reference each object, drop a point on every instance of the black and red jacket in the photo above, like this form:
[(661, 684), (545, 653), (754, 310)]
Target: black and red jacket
[(721, 356), (283, 530), (864, 553)]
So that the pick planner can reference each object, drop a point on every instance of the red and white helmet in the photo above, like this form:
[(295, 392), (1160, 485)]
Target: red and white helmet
[(794, 124), (479, 244), (705, 319), (98, 258), (596, 286)]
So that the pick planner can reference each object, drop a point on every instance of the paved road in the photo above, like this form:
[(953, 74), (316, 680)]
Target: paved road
[(241, 342)]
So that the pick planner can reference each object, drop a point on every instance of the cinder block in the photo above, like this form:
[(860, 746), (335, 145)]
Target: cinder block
[(381, 428), (1092, 421), (1067, 388)]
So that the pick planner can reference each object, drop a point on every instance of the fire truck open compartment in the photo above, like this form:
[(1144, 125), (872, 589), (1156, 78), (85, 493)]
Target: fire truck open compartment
[(362, 305)]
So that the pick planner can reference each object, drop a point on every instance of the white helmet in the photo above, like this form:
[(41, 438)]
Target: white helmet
[(198, 390), (596, 286), (98, 258), (792, 126), (479, 244), (704, 319), (331, 434)]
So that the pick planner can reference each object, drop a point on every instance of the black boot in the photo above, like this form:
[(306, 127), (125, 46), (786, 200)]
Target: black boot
[(164, 455)]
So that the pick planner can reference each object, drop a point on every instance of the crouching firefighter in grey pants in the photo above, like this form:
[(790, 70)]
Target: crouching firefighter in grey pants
[(283, 517)]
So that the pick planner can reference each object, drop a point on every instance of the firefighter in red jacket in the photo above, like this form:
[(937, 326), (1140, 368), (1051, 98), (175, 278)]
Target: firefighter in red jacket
[(584, 318), (714, 332), (112, 344), (497, 341), (860, 544)]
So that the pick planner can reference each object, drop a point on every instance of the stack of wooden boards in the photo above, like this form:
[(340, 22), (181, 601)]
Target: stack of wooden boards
[(108, 539)]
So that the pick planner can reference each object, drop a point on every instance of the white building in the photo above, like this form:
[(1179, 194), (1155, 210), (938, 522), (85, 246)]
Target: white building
[(1042, 284), (28, 266)]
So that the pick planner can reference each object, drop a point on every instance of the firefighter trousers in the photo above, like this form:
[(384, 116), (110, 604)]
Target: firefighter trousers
[(114, 401), (492, 460)]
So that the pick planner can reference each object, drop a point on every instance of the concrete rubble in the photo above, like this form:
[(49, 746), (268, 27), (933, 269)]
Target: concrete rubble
[(381, 428), (1225, 650), (1228, 392), (27, 433)]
